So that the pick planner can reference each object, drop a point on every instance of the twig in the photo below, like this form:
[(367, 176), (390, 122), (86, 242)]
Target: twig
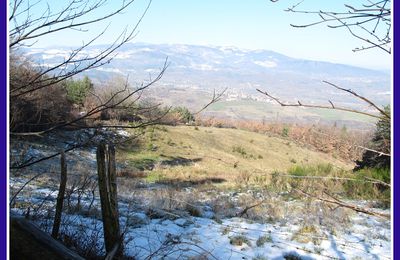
[(244, 211), (216, 97), (383, 112), (371, 23)]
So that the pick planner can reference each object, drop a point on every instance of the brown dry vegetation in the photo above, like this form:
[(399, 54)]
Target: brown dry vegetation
[(337, 142), (39, 109)]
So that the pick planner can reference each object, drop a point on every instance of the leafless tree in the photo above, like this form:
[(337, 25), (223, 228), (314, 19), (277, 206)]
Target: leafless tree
[(32, 112), (37, 93), (27, 26), (370, 22)]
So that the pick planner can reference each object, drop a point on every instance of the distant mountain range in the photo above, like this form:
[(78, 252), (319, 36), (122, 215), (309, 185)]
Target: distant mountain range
[(204, 68)]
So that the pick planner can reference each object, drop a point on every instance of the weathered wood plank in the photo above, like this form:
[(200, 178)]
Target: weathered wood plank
[(27, 241)]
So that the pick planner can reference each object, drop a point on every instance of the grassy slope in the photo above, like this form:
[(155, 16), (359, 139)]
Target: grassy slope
[(212, 153)]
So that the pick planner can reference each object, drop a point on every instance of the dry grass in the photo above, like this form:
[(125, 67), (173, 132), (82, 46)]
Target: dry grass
[(307, 234), (338, 142), (239, 240), (218, 156)]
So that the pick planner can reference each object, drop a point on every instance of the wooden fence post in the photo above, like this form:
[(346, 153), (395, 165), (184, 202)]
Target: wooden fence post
[(108, 197), (60, 197)]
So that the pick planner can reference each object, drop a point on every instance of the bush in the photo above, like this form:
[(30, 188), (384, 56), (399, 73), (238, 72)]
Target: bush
[(185, 115), (264, 239), (292, 256), (363, 189), (36, 112), (34, 106), (178, 115), (318, 170), (285, 131), (124, 104), (307, 234), (193, 210), (239, 240), (240, 150), (128, 114)]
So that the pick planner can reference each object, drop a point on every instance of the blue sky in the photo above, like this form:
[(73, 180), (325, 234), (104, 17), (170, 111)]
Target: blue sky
[(251, 24)]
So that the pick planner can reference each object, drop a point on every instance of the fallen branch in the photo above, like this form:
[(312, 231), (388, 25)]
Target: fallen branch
[(245, 210), (368, 180), (377, 181), (345, 205), (375, 151)]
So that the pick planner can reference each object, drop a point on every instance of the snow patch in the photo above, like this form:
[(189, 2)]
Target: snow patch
[(266, 64)]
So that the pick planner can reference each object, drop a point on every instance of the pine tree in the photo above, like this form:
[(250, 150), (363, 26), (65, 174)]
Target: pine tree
[(380, 143)]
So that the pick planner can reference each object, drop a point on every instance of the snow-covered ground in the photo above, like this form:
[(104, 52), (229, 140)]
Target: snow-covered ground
[(193, 236), (181, 236), (160, 224)]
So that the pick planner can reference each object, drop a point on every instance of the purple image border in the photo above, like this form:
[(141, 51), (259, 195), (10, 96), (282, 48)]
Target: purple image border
[(3, 132), (395, 135)]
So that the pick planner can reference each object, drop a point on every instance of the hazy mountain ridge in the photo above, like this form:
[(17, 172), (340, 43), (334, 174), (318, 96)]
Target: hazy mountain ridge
[(204, 68)]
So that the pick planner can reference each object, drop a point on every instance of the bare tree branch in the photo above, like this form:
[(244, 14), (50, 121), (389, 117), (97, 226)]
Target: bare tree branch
[(65, 19), (215, 98), (331, 106), (77, 61), (370, 23), (381, 111)]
